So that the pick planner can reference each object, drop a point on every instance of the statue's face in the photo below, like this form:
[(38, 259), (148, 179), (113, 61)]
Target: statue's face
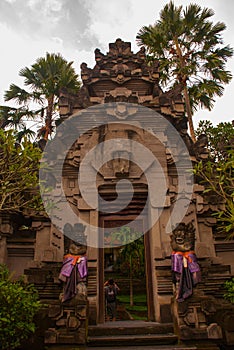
[(182, 241), (77, 249)]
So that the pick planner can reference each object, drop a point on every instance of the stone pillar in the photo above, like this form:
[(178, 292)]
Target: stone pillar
[(49, 245), (3, 250), (154, 237), (93, 278), (6, 229)]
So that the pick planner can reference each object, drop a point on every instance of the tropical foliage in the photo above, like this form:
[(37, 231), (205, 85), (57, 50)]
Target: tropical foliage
[(191, 54), (229, 286), (131, 255), (217, 172), (19, 304), (220, 138), (45, 79), (19, 164)]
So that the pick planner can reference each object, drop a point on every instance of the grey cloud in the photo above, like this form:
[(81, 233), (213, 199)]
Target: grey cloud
[(68, 20), (74, 24)]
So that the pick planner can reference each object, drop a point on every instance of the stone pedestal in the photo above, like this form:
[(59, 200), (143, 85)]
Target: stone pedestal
[(202, 317), (70, 322), (60, 323), (192, 318)]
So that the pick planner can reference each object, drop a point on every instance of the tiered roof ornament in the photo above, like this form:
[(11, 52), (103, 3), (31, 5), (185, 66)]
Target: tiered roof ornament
[(122, 76)]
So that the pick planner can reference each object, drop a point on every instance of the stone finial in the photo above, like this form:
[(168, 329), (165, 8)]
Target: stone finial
[(98, 55), (120, 48)]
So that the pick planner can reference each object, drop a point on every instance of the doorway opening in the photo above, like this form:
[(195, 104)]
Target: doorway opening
[(129, 265), (126, 266)]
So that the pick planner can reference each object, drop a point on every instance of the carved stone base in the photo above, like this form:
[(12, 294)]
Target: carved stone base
[(59, 323), (193, 318), (224, 317), (203, 317), (70, 320)]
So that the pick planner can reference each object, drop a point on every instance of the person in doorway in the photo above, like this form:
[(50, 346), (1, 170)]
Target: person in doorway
[(111, 291)]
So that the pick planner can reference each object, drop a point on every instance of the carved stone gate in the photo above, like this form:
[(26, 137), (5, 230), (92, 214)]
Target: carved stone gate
[(124, 77)]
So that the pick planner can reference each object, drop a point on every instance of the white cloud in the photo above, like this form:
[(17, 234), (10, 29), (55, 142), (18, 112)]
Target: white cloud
[(30, 28)]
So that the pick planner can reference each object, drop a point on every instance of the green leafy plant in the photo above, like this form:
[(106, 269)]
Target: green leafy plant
[(217, 173), (19, 304), (19, 165), (229, 286), (220, 138)]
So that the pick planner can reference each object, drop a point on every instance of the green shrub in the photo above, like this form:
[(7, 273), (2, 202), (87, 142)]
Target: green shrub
[(229, 286), (18, 305)]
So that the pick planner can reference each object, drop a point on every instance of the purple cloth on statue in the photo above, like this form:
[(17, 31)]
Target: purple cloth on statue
[(68, 265), (177, 262), (82, 267), (186, 273), (74, 270)]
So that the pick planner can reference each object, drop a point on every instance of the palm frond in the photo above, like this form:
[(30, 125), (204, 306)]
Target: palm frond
[(17, 94), (189, 48)]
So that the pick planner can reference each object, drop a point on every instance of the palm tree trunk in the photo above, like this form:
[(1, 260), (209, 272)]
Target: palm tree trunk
[(48, 120), (189, 113), (183, 78)]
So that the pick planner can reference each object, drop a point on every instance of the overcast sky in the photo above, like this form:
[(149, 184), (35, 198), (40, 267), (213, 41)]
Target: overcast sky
[(74, 28)]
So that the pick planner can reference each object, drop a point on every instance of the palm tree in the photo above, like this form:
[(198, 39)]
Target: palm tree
[(11, 117), (45, 79), (14, 118), (131, 253), (190, 51)]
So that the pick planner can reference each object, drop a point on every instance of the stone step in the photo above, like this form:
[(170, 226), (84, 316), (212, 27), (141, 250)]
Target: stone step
[(202, 346), (130, 328), (146, 347), (132, 339)]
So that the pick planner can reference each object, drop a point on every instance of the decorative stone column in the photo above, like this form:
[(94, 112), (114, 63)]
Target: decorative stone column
[(6, 229)]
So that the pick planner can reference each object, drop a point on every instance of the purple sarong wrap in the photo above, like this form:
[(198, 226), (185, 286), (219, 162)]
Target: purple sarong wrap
[(177, 261), (186, 272), (70, 261), (73, 271)]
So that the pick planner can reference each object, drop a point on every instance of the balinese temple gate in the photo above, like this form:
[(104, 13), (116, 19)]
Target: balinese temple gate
[(124, 93)]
